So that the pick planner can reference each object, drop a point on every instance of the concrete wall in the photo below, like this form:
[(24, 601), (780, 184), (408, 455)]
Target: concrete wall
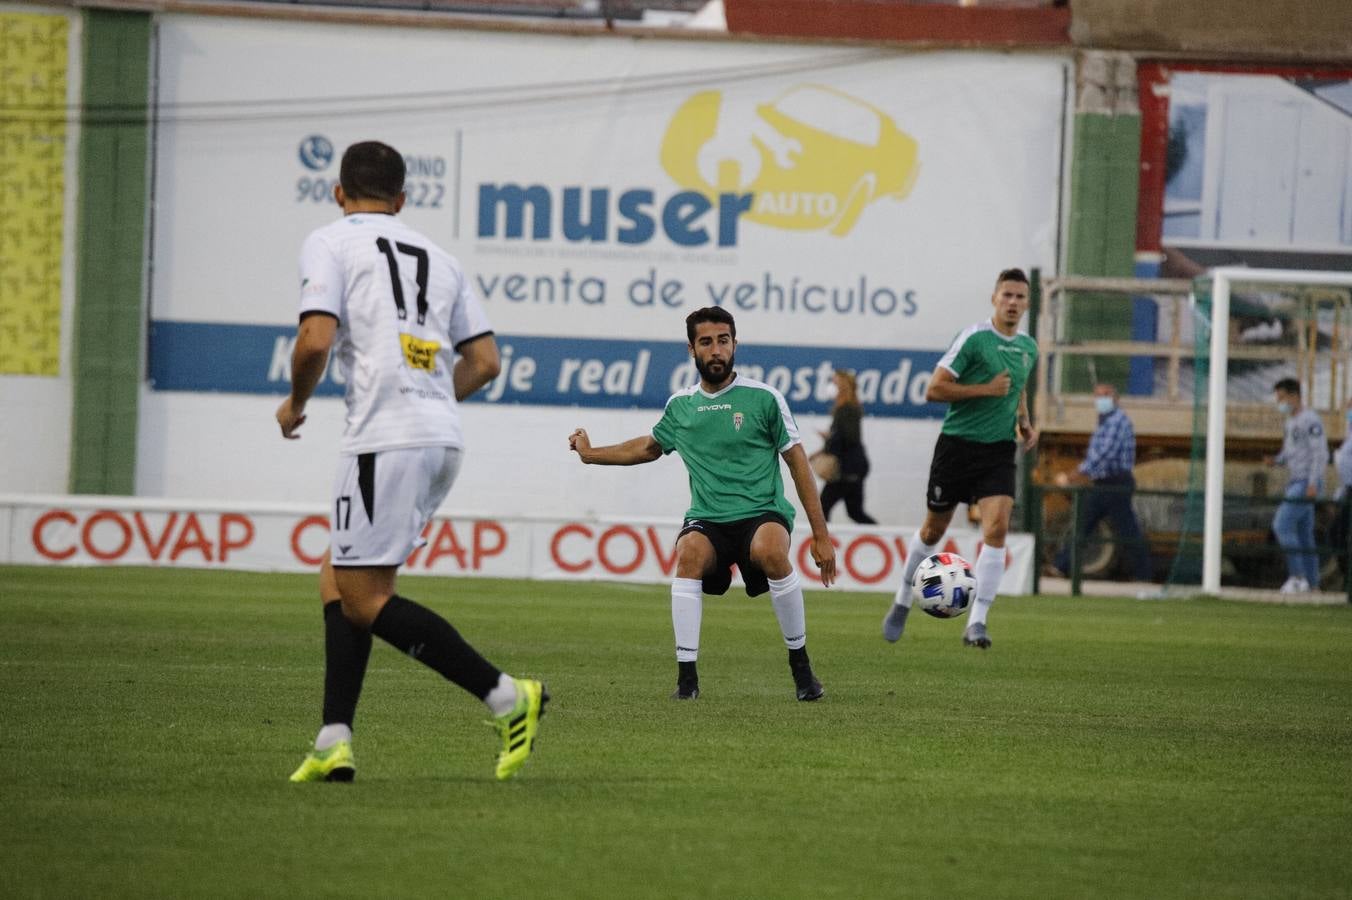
[(1289, 30)]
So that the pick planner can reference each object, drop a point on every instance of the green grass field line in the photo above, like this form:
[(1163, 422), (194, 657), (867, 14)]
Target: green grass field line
[(1101, 748)]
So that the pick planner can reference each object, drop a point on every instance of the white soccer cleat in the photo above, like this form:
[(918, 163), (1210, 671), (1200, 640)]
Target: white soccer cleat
[(894, 623)]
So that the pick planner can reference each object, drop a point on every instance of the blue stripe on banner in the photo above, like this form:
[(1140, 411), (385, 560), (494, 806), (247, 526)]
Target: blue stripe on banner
[(549, 371)]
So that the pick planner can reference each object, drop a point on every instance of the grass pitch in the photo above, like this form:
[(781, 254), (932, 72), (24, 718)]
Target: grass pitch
[(149, 718)]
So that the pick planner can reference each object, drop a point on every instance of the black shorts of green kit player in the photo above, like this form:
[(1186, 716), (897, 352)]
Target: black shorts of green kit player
[(732, 546), (964, 471)]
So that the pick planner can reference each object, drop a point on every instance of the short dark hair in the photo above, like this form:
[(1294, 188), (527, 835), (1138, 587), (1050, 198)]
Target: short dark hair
[(372, 171), (708, 314), (1290, 385), (1012, 275)]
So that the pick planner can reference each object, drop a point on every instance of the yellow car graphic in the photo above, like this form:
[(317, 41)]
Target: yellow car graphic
[(814, 158)]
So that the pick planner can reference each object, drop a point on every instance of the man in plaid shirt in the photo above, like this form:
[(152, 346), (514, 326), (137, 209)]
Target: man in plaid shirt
[(1108, 466)]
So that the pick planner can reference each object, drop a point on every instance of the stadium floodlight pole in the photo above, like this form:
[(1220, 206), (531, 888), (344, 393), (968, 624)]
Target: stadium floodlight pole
[(1222, 278)]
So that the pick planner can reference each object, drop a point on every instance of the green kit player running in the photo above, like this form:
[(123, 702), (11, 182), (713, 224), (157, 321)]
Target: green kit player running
[(731, 432), (982, 378)]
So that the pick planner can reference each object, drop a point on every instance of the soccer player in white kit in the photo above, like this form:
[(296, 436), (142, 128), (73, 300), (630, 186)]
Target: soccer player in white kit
[(411, 340)]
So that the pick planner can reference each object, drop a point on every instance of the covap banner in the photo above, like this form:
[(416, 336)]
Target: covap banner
[(851, 207), (101, 531)]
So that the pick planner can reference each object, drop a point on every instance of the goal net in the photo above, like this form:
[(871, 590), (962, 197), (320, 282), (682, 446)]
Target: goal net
[(1253, 328)]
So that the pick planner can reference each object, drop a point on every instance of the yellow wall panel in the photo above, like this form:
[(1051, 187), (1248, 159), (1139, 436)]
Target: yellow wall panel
[(33, 65)]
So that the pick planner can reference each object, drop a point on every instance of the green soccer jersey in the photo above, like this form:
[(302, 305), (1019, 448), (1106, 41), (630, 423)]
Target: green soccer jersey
[(979, 354), (730, 443)]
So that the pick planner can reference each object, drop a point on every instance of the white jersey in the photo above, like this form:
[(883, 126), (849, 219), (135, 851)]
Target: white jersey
[(403, 306)]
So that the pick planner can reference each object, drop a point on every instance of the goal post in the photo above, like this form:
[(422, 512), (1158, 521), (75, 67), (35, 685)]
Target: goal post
[(1196, 374), (1222, 283)]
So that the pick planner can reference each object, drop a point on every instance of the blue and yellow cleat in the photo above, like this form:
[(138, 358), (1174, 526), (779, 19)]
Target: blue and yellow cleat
[(519, 727), (334, 764)]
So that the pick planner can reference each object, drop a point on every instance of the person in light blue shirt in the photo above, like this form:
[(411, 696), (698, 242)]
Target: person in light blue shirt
[(1305, 453), (1108, 465)]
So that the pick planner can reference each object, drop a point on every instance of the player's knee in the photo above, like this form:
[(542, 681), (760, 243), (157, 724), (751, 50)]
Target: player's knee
[(353, 612), (774, 564), (692, 559), (362, 611), (935, 524)]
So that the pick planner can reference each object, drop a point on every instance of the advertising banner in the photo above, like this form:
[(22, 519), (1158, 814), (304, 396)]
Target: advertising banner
[(850, 206), (94, 531)]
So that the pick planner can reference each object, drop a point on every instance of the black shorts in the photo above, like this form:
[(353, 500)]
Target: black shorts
[(732, 546), (964, 471)]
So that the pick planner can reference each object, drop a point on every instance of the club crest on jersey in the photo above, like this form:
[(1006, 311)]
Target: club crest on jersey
[(737, 421)]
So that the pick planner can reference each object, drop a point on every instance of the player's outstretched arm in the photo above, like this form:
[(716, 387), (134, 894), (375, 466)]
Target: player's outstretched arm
[(314, 339), (823, 551), (478, 364), (631, 453)]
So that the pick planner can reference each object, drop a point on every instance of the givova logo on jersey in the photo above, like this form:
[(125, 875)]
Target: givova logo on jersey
[(811, 159)]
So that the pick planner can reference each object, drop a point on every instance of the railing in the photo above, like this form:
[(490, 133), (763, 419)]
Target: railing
[(1173, 538), (1166, 409)]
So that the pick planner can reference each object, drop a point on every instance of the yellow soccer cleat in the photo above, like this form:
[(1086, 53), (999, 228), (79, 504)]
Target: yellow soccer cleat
[(334, 764), (518, 727)]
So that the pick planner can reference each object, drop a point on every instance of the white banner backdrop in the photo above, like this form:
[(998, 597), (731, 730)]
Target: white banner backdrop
[(92, 531), (851, 206)]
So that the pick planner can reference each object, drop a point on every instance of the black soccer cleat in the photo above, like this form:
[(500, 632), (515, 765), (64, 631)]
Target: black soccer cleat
[(805, 684), (687, 680), (686, 690), (810, 690)]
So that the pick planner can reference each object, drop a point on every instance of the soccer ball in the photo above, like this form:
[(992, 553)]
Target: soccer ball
[(944, 585)]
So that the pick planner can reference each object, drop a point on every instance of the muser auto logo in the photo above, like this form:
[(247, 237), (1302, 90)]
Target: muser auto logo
[(813, 159), (316, 152)]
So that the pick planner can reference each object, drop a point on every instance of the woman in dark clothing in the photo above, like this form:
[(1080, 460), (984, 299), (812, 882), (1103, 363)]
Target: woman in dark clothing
[(844, 441)]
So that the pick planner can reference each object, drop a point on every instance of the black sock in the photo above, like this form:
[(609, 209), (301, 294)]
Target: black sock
[(434, 642), (685, 672), (346, 649), (798, 658)]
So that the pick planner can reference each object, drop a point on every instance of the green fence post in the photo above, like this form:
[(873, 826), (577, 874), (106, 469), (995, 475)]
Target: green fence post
[(1075, 542)]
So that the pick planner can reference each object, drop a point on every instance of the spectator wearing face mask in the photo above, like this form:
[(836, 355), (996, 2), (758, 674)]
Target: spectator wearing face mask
[(1305, 453), (1108, 467)]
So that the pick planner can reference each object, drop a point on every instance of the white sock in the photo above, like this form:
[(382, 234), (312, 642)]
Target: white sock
[(989, 568), (332, 734), (502, 699), (787, 596), (687, 605), (917, 551)]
